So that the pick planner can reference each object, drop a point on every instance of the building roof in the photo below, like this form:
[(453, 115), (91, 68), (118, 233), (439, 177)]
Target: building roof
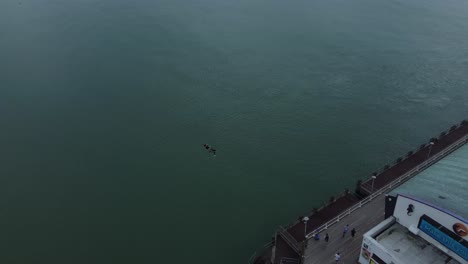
[(443, 184), (409, 248)]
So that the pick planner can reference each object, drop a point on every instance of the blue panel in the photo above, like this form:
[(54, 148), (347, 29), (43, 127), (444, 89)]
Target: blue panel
[(444, 239)]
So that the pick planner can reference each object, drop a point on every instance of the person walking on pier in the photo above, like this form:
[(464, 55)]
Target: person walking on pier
[(345, 230), (317, 237), (327, 237), (337, 257), (353, 232)]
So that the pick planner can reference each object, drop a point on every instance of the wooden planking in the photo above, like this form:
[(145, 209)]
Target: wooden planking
[(363, 219)]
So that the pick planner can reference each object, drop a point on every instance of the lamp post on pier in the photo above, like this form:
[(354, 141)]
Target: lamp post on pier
[(305, 219), (373, 179), (430, 148)]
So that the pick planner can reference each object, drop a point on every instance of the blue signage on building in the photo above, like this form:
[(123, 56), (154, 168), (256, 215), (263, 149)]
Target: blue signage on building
[(444, 239)]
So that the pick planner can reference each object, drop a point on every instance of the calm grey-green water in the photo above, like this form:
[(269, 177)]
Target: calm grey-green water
[(105, 105)]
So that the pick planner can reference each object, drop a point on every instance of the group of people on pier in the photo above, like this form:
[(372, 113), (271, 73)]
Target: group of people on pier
[(345, 231), (327, 238)]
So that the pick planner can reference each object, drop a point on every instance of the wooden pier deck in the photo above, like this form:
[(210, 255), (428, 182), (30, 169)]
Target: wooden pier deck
[(363, 219), (407, 162), (290, 241)]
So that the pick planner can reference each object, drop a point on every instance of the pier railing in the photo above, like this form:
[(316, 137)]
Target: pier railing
[(367, 186), (324, 205), (292, 242), (390, 186)]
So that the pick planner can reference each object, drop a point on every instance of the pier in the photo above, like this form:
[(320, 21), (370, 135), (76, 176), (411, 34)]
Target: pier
[(361, 209)]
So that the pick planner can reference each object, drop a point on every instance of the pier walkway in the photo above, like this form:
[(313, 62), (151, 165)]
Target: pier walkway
[(364, 216), (413, 159), (321, 252), (294, 244)]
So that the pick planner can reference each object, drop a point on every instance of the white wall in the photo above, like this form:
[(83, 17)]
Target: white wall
[(421, 209), (371, 246)]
